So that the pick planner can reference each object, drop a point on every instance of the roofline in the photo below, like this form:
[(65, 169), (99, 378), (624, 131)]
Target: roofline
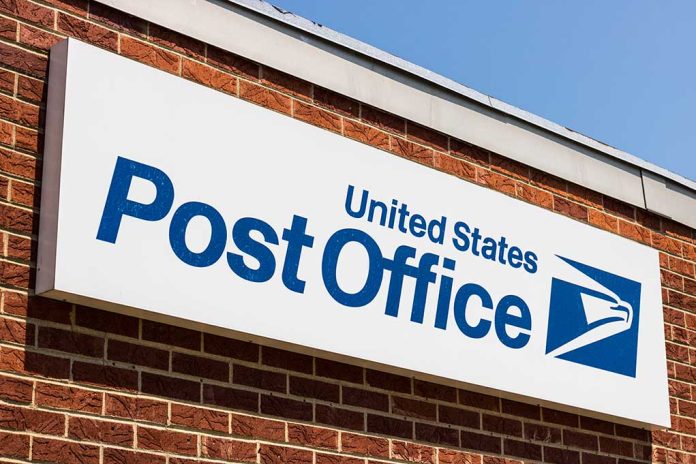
[(268, 35), (367, 50)]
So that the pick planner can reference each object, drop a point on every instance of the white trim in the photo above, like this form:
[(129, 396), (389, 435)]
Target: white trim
[(258, 31)]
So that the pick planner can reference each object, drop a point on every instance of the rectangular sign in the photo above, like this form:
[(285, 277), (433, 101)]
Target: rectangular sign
[(168, 197)]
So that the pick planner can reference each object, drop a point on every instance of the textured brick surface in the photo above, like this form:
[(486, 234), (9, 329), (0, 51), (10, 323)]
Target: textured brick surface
[(80, 385)]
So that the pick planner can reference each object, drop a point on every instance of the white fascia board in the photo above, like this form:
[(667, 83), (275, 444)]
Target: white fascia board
[(260, 32)]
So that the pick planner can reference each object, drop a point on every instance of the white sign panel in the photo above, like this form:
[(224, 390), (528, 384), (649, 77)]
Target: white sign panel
[(166, 196)]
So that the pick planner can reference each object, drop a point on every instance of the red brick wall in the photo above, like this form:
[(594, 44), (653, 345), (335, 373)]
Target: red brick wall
[(82, 385)]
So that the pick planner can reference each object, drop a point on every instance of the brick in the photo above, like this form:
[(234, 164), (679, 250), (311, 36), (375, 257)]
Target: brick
[(603, 221), (167, 441), (571, 209), (387, 381), (454, 166), (437, 435), (28, 11), (58, 451), (260, 378), (286, 83), (496, 181), (561, 456), (383, 120), (19, 111), (508, 167), (31, 420), (588, 458), (147, 54), (20, 248), (229, 450), (199, 418), (170, 387), (310, 388), (580, 440), (366, 134), (267, 98), (548, 182), (121, 456), (502, 425), (458, 416), (136, 408), (412, 452), (317, 116), (6, 130), (543, 433), (15, 275), (117, 19), (105, 321), (287, 360), (15, 390), (336, 459), (479, 400), (208, 76), (316, 437), (480, 442), (16, 219), (365, 398), (8, 30), (596, 425), (137, 354), (535, 196), (666, 244), (16, 331), (177, 42), (389, 426), (634, 232), (86, 429), (336, 102), (231, 398), (522, 449), (223, 346), (446, 456), (286, 408), (412, 151), (681, 266), (64, 397), (339, 371), (71, 342), (28, 139), (8, 27), (530, 411), (413, 408), (560, 417), (613, 446), (103, 375), (271, 454), (13, 445), (37, 38), (22, 60), (339, 417), (232, 63), (365, 445), (256, 427), (426, 136), (672, 280), (34, 363), (91, 33), (198, 366), (171, 335)]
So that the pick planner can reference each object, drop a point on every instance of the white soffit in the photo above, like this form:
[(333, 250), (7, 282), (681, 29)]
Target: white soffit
[(258, 31)]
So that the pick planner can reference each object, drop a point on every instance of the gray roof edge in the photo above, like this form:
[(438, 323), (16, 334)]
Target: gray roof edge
[(325, 33)]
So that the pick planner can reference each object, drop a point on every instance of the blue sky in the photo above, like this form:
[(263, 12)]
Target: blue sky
[(621, 71)]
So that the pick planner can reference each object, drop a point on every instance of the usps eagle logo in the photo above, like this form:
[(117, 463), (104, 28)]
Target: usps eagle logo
[(593, 318)]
